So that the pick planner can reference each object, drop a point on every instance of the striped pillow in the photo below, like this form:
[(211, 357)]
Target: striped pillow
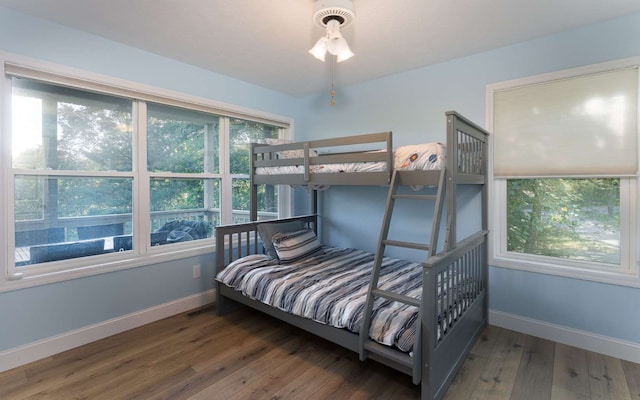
[(268, 229), (297, 245)]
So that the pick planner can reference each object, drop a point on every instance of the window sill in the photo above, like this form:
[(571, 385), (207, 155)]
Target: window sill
[(104, 264), (617, 277)]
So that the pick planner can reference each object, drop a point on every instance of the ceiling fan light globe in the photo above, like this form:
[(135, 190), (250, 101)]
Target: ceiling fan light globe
[(320, 49), (339, 47), (345, 55)]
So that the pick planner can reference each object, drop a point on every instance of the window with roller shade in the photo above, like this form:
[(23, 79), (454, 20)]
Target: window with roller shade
[(565, 156)]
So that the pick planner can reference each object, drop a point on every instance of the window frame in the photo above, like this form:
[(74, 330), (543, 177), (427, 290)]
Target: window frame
[(143, 253), (628, 272)]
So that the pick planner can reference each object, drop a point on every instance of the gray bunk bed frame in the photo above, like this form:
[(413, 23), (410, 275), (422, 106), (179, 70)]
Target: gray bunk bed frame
[(449, 326)]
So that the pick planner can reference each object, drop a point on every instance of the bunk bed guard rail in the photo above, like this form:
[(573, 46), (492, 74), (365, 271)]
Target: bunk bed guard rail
[(306, 155)]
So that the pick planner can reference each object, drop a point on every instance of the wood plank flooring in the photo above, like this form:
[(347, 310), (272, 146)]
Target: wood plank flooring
[(247, 355)]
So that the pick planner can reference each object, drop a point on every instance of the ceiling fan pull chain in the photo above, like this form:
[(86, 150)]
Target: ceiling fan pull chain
[(333, 92)]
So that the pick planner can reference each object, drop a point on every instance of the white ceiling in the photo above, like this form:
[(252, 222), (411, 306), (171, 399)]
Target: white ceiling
[(265, 42)]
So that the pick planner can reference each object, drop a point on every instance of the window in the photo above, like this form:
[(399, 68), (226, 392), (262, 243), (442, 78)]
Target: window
[(565, 162), (242, 133), (572, 219), (100, 174), (184, 174), (72, 171)]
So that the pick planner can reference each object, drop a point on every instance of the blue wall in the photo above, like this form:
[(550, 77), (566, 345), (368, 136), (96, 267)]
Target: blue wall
[(32, 314), (412, 105)]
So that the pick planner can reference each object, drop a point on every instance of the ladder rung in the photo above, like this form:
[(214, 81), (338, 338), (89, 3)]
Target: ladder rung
[(412, 301), (389, 353), (410, 245), (415, 196)]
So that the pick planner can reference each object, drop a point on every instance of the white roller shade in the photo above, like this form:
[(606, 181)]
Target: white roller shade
[(579, 126)]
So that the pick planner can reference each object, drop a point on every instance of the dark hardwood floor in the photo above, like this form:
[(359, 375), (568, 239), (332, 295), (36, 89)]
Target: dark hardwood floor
[(247, 355)]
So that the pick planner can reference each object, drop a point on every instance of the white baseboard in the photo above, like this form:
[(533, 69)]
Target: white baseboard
[(50, 346), (609, 346), (56, 344)]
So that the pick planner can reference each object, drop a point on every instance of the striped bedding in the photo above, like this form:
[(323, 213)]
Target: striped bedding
[(330, 287)]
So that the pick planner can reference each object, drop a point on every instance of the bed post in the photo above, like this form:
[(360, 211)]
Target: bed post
[(223, 304), (485, 222), (253, 213), (452, 162)]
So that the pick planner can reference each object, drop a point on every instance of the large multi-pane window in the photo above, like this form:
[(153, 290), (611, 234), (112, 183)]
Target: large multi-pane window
[(99, 174), (565, 162)]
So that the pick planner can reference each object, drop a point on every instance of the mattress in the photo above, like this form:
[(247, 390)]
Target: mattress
[(330, 287), (425, 156)]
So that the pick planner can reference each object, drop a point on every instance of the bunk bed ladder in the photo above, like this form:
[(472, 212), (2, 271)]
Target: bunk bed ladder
[(368, 347)]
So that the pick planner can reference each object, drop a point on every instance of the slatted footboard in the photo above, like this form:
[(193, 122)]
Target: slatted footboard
[(451, 325)]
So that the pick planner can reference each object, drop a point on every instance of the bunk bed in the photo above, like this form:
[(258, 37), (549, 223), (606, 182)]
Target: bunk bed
[(441, 316)]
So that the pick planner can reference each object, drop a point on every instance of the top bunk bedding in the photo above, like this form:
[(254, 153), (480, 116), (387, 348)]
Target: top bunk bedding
[(370, 159), (425, 156)]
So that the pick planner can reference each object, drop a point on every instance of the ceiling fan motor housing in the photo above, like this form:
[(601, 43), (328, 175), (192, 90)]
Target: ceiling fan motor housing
[(342, 11)]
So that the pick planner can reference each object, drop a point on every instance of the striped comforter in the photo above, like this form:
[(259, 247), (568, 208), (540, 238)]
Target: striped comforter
[(330, 287)]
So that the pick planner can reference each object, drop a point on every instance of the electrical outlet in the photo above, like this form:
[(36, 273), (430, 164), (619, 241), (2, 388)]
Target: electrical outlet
[(196, 271)]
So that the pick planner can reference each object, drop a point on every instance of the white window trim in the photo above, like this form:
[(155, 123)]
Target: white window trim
[(629, 273), (12, 279)]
